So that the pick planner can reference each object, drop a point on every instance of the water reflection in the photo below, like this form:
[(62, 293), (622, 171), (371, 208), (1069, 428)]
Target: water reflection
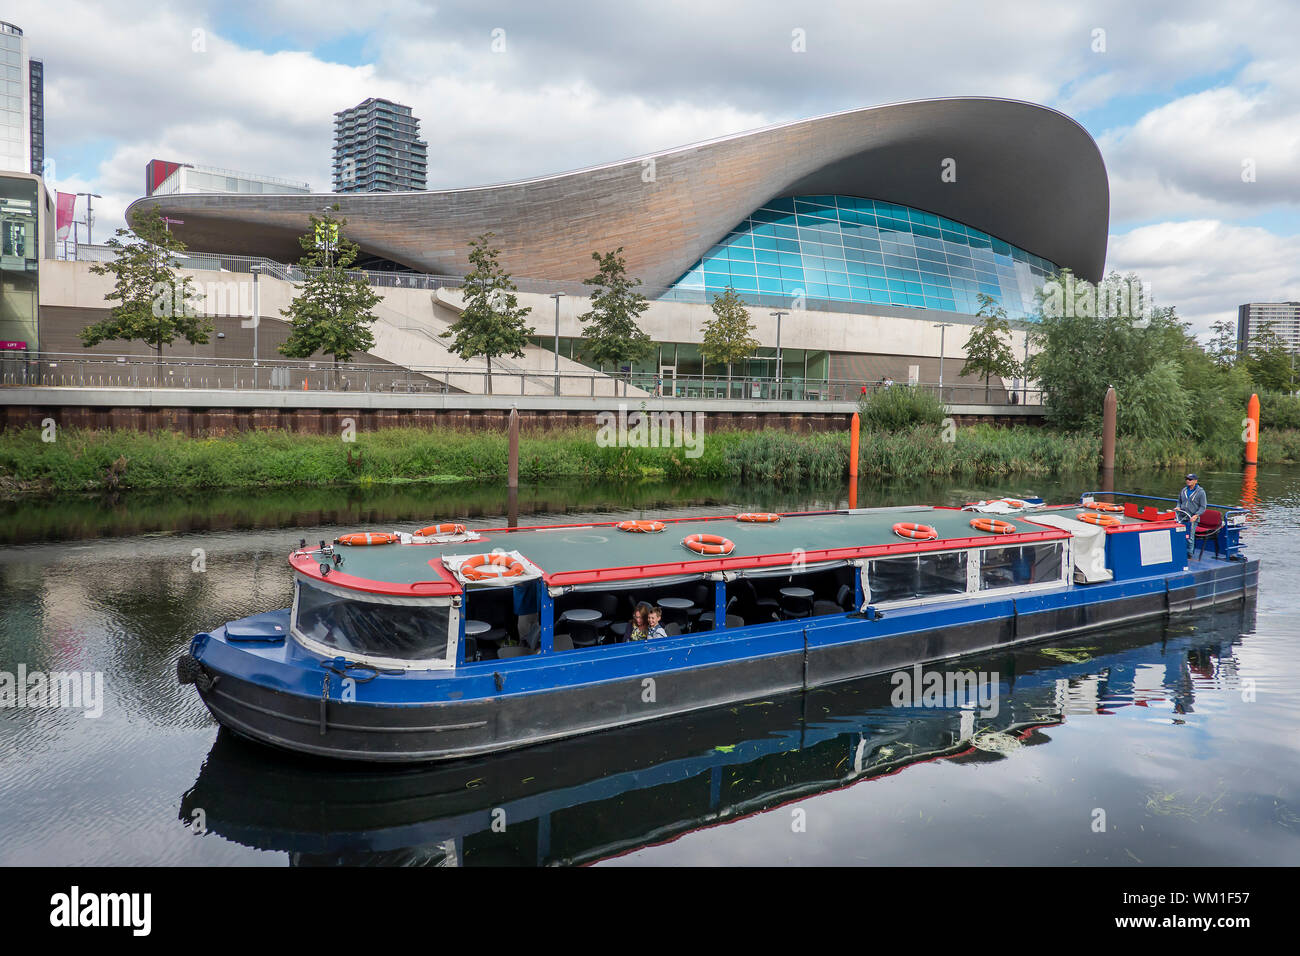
[(595, 797)]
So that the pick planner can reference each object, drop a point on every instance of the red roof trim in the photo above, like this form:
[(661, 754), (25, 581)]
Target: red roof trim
[(442, 584)]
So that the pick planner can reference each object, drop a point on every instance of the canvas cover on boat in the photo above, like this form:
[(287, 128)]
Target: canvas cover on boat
[(1089, 547)]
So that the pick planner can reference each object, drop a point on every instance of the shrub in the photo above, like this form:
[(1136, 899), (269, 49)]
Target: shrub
[(901, 407)]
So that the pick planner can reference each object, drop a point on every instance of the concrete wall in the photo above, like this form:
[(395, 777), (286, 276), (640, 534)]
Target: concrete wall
[(199, 412)]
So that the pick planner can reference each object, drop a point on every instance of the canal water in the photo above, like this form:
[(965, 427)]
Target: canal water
[(1169, 743)]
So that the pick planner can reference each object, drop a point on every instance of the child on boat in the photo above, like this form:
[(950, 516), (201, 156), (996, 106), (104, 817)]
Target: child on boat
[(656, 629)]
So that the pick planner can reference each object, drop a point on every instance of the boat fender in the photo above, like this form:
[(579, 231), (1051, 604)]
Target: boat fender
[(190, 671)]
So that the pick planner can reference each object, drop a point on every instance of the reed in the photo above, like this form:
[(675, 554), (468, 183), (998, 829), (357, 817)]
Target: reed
[(100, 460)]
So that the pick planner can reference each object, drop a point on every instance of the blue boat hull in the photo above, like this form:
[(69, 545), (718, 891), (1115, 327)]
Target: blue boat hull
[(277, 693)]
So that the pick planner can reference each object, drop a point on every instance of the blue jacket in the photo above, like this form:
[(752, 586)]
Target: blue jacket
[(1192, 501)]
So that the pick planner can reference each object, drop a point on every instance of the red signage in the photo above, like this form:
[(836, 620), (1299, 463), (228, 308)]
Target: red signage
[(13, 346)]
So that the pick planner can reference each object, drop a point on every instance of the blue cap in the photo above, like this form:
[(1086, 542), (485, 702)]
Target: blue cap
[(1192, 478)]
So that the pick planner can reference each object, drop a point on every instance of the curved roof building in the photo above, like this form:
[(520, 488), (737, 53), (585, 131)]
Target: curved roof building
[(923, 204)]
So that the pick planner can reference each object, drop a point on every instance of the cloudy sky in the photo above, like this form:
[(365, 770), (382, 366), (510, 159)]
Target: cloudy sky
[(1195, 104)]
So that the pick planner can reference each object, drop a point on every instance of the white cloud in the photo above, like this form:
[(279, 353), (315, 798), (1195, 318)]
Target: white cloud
[(582, 84), (1206, 268)]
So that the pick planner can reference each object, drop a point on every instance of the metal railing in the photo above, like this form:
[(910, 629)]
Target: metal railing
[(81, 370)]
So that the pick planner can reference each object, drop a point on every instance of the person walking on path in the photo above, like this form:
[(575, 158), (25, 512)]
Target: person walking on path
[(1192, 503)]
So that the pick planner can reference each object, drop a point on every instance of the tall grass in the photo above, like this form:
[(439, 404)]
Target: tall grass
[(97, 460)]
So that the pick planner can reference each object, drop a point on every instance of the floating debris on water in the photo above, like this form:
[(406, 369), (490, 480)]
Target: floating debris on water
[(1077, 655), (996, 742)]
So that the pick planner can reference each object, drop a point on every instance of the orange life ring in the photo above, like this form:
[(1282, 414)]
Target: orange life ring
[(709, 544), (993, 525), (644, 527), (763, 517), (908, 529), (488, 567), (360, 538), (437, 529), (1103, 506), (1092, 517)]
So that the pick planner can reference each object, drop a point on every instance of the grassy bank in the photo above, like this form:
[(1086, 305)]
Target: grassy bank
[(98, 460)]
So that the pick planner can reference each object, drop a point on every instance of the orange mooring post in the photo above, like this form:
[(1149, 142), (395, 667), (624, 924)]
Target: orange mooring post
[(1252, 431), (304, 384), (854, 425)]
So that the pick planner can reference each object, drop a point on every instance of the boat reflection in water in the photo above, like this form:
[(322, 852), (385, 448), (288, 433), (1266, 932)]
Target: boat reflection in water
[(584, 799)]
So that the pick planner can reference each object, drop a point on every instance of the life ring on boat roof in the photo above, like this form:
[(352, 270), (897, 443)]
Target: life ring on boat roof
[(642, 527), (1092, 517), (362, 538), (993, 526), (439, 529), (709, 544), (1103, 506), (922, 532), (758, 517), (490, 567)]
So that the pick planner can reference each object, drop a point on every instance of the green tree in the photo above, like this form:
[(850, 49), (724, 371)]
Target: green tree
[(1089, 337), (332, 311), (610, 328), (155, 304), (987, 352), (729, 335), (492, 323), (1223, 344), (1270, 362)]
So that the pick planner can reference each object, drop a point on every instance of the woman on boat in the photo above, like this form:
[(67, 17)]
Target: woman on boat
[(639, 628)]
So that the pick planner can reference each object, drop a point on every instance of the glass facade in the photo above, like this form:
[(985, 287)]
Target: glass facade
[(680, 361), (19, 259), (14, 143), (845, 249)]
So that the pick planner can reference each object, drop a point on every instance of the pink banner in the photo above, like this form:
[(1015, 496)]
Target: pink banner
[(66, 212)]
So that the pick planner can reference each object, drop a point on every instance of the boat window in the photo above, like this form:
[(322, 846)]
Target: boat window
[(403, 632), (917, 576), (1018, 566), (763, 597)]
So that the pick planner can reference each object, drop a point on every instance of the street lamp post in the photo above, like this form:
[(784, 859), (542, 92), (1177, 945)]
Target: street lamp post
[(943, 328), (90, 216), (557, 296), (257, 317), (1024, 372), (778, 351)]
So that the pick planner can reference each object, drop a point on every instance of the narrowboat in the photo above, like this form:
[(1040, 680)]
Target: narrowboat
[(447, 642), (588, 798)]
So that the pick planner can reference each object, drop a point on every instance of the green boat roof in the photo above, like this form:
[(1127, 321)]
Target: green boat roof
[(572, 554)]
